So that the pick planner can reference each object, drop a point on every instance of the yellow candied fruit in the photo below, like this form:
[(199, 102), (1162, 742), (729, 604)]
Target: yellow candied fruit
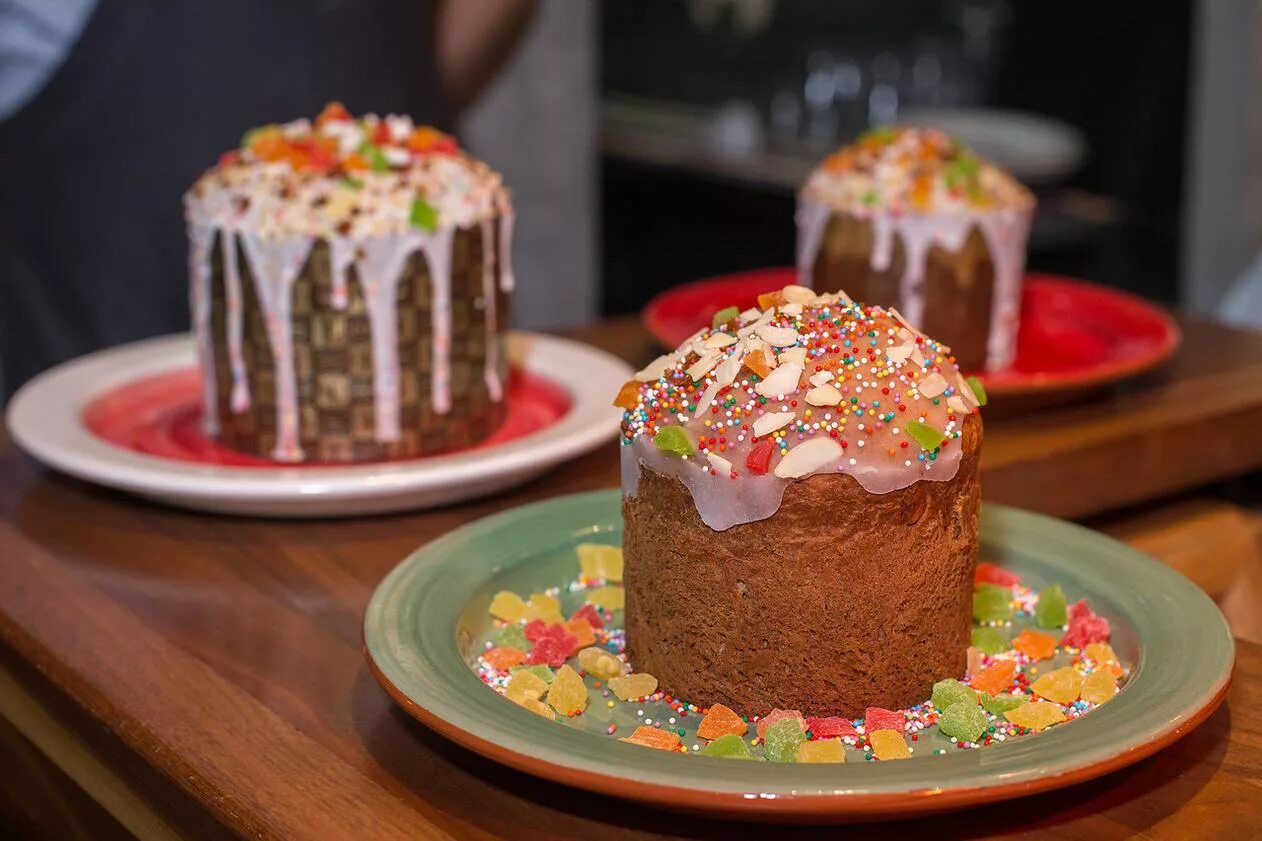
[(599, 663), (1099, 686), (508, 607), (525, 686), (1101, 652), (1062, 685), (1036, 716), (889, 744), (610, 598), (539, 708), (597, 560), (825, 750), (567, 693), (634, 686)]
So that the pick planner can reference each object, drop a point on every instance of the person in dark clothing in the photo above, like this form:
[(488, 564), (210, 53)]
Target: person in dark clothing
[(118, 105)]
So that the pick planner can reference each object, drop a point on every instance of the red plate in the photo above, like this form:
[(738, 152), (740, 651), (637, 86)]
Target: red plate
[(1075, 336), (162, 416)]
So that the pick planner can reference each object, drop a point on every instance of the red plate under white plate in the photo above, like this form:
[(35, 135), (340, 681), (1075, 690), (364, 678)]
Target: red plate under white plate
[(1075, 336), (129, 418)]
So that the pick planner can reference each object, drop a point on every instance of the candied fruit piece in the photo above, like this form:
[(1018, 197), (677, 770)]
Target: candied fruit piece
[(596, 560), (523, 685), (512, 636), (539, 708), (1035, 644), (633, 686), (997, 704), (581, 631), (947, 693), (568, 693), (963, 720), (1062, 685), (535, 630), (729, 746), (591, 614), (1085, 627), (1050, 611), (508, 607), (824, 750), (651, 737), (830, 727), (973, 659), (782, 740), (552, 650), (544, 607), (1100, 652), (889, 744), (992, 574), (629, 395), (600, 663), (724, 315), (777, 715), (875, 718), (541, 672), (502, 659), (1036, 716), (1099, 686), (992, 603), (759, 457), (990, 640), (609, 598), (720, 721), (673, 439), (995, 678)]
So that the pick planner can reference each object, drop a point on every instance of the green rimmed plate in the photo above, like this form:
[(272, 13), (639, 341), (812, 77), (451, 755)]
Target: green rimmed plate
[(422, 624)]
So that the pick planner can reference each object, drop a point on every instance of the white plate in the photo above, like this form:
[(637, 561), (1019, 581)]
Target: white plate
[(45, 418)]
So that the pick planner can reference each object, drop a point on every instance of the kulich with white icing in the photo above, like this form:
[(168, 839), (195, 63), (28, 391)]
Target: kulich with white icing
[(808, 384), (349, 285), (909, 218)]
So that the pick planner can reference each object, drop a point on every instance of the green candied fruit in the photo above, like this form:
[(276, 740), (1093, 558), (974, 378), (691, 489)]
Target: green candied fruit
[(729, 746), (949, 692), (990, 640), (1050, 610), (963, 720), (979, 390), (1000, 704), (540, 671), (724, 315), (423, 215), (992, 603), (512, 636), (783, 740), (672, 439), (925, 435)]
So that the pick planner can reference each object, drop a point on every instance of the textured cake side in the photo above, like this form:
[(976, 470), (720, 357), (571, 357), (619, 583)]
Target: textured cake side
[(841, 600)]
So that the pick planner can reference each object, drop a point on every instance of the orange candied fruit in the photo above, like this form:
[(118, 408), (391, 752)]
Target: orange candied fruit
[(502, 658), (333, 112), (651, 737), (628, 395), (1035, 644), (995, 678)]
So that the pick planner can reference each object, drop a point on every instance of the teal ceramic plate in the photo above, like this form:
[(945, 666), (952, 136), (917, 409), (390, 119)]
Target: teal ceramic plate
[(423, 628)]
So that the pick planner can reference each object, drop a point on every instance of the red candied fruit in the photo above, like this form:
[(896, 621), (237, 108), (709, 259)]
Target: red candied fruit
[(588, 611), (991, 574), (760, 456), (1085, 627), (830, 727), (875, 718)]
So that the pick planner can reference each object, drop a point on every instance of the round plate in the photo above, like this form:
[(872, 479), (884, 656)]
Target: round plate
[(125, 418), (1075, 336), (421, 624)]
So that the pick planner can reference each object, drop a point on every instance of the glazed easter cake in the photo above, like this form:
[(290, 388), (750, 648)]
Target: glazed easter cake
[(813, 465), (349, 283), (911, 219)]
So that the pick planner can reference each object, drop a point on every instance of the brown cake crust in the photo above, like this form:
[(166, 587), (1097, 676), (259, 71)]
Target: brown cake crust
[(841, 600), (958, 285), (333, 360)]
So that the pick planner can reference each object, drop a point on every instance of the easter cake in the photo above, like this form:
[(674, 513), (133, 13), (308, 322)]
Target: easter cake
[(911, 219), (800, 501), (349, 283)]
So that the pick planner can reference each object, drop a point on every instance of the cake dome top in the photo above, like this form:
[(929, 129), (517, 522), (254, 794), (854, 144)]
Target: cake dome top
[(912, 170), (346, 176), (800, 385)]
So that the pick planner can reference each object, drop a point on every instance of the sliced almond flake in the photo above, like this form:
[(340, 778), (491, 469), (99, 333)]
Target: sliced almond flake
[(917, 358), (770, 422), (840, 295), (752, 327), (905, 335), (751, 314), (726, 373), (957, 404), (820, 377), (707, 397), (823, 395), (790, 309), (703, 366), (898, 354), (808, 457), (782, 381), (655, 369), (720, 340), (797, 295), (898, 316), (778, 336), (719, 463), (966, 390), (932, 385), (796, 355)]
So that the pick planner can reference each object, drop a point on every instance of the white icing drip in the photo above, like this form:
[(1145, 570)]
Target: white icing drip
[(201, 238), (723, 502), (812, 218), (1005, 233), (507, 222), (379, 267), (919, 234), (437, 247), (240, 397), (341, 255), (491, 373), (275, 263)]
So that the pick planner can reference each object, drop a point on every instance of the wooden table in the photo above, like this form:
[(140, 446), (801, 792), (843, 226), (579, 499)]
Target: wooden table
[(182, 674)]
